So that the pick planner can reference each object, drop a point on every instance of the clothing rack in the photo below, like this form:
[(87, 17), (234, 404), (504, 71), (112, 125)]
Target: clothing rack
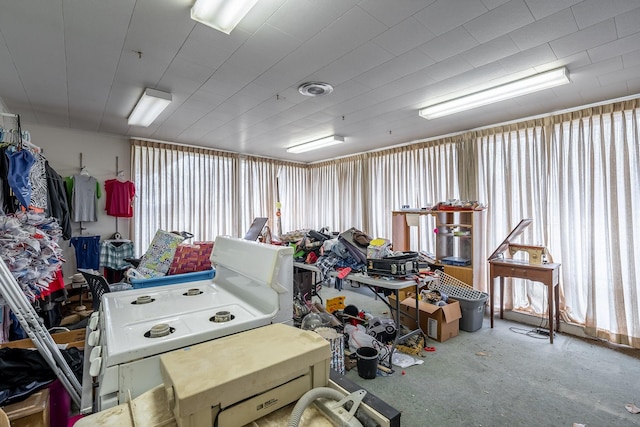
[(24, 311)]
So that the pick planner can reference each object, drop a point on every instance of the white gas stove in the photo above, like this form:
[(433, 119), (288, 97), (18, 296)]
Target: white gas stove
[(253, 287)]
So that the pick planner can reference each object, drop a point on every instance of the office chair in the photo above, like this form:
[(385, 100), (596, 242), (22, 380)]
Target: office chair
[(98, 286)]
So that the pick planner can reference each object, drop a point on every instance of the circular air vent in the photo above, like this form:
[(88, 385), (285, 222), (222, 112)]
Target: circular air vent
[(315, 89)]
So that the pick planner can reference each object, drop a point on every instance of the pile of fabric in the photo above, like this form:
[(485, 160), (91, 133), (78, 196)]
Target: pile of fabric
[(29, 247)]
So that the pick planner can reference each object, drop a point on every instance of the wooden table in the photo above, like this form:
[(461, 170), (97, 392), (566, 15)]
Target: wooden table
[(547, 274)]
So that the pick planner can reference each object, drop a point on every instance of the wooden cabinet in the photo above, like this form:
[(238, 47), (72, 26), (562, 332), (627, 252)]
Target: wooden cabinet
[(459, 241)]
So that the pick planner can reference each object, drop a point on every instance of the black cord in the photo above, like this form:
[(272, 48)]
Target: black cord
[(531, 333)]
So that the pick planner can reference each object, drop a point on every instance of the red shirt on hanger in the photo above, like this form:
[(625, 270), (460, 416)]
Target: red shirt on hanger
[(119, 198)]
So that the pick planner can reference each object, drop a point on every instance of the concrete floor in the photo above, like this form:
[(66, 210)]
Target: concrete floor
[(507, 377)]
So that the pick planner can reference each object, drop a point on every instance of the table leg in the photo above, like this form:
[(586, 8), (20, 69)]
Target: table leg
[(557, 296), (491, 293), (551, 298), (501, 297)]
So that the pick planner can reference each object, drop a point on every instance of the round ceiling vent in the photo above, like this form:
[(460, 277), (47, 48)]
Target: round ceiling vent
[(315, 89)]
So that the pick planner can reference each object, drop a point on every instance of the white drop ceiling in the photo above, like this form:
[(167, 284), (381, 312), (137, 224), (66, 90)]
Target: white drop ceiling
[(84, 64)]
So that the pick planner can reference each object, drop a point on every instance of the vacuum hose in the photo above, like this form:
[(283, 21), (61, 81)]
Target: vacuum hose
[(308, 398)]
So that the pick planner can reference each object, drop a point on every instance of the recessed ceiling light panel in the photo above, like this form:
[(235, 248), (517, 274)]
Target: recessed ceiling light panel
[(315, 89)]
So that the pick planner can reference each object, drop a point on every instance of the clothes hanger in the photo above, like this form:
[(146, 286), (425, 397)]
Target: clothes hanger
[(84, 171)]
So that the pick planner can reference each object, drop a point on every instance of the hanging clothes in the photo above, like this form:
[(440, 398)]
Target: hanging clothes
[(20, 163), (38, 181), (8, 200), (58, 205), (120, 196), (114, 252), (84, 198), (87, 251)]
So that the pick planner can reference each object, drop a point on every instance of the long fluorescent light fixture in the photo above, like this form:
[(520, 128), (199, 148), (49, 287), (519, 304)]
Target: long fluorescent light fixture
[(314, 145), (537, 82), (149, 106), (223, 15)]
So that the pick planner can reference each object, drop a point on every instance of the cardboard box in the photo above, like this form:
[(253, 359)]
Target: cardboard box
[(439, 323), (69, 339), (406, 292)]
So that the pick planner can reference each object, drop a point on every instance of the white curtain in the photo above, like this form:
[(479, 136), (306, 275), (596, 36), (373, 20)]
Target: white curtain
[(337, 194), (182, 188), (511, 177), (419, 176), (595, 157), (576, 175)]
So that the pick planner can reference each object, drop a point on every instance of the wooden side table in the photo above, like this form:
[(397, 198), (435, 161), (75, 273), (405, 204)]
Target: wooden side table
[(547, 274)]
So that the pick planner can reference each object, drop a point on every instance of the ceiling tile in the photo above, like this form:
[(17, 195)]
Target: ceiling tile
[(445, 15), (604, 93), (20, 26), (591, 12), (631, 59), (404, 37), (528, 59), (545, 30), (354, 63), (345, 34), (392, 13), (491, 51), (449, 44), (627, 73), (588, 38), (303, 19), (499, 21), (492, 4), (445, 69), (617, 47), (628, 23), (596, 69), (543, 8), (401, 66)]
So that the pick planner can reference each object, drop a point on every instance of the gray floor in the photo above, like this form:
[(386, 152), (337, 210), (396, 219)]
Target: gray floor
[(504, 377)]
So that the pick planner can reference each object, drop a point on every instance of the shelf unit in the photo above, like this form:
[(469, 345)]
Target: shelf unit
[(459, 238)]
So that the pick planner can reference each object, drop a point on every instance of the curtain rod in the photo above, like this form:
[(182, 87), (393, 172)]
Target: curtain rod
[(8, 114)]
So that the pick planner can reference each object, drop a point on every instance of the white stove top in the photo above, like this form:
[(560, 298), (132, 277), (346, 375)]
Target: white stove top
[(191, 319)]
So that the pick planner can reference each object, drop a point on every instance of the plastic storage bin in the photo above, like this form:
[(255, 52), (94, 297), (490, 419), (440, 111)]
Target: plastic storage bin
[(471, 301), (172, 280)]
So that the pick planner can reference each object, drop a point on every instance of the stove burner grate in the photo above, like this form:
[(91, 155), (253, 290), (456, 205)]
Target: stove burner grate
[(159, 330), (192, 292), (222, 316), (143, 299)]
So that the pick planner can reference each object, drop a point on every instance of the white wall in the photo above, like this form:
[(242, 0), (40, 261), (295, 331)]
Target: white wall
[(62, 148)]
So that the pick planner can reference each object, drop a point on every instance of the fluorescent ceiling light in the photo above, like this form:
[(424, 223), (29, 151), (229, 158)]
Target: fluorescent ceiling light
[(314, 145), (223, 15), (534, 83), (149, 106)]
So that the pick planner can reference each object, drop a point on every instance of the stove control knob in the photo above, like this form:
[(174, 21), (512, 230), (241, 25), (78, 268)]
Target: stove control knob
[(93, 322), (94, 368), (94, 338), (95, 353)]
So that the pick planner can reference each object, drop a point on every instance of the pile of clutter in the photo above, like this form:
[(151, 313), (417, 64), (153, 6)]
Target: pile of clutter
[(30, 249), (348, 330)]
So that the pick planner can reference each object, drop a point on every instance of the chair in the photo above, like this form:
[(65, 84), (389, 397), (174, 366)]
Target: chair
[(98, 286)]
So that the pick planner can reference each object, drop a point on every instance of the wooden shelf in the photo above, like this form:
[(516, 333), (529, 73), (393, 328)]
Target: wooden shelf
[(448, 243)]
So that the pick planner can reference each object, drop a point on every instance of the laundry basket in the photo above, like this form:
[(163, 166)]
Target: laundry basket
[(471, 301)]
